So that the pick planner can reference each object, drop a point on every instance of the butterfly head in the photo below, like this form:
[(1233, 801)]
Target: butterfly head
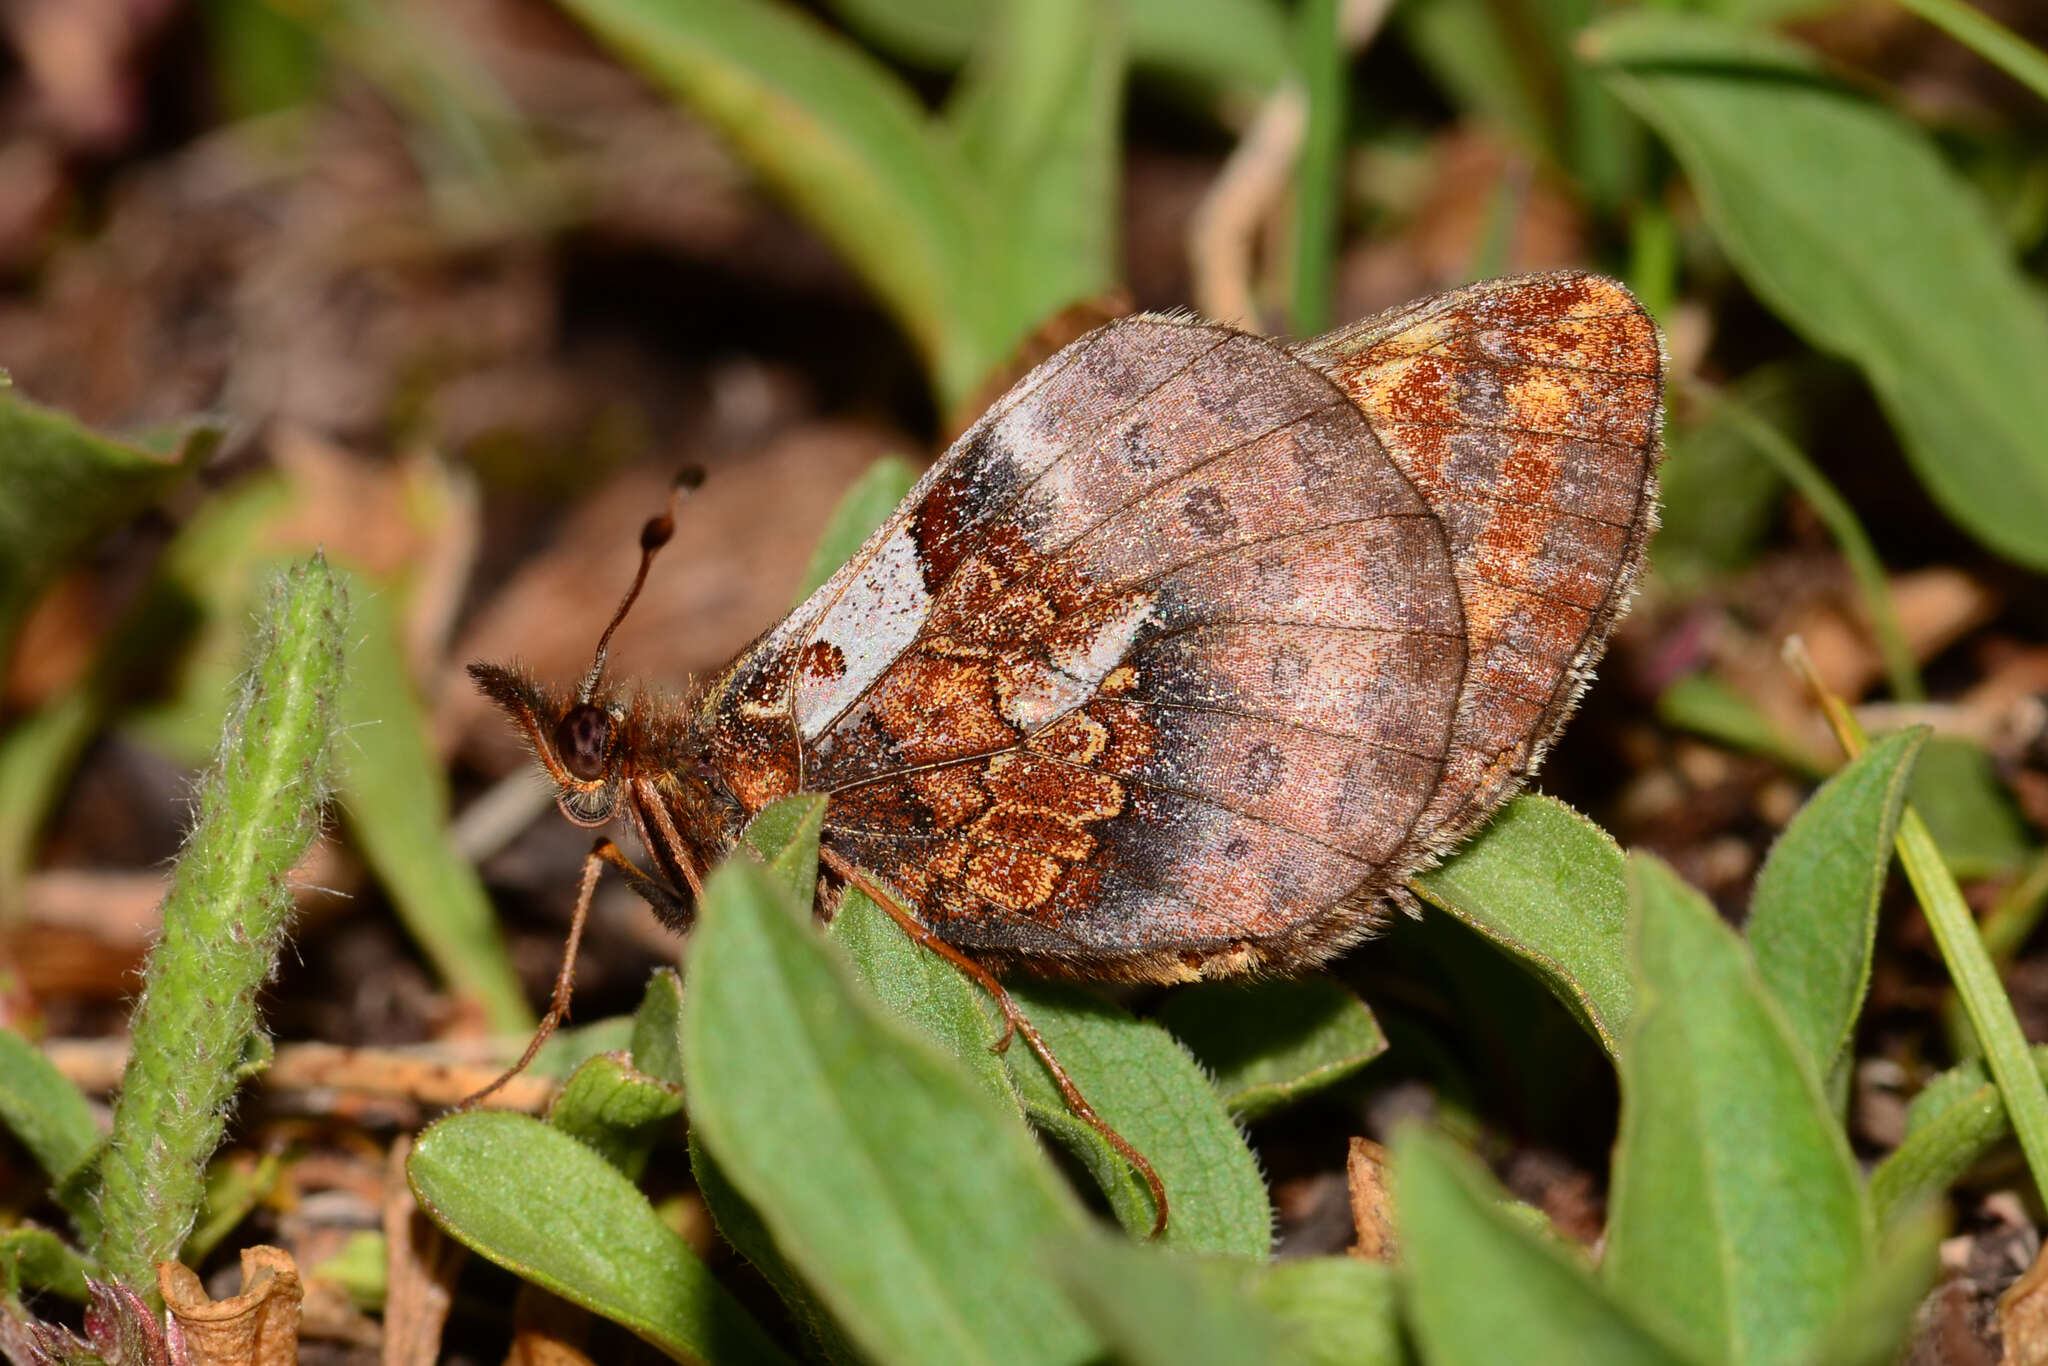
[(582, 744), (583, 741)]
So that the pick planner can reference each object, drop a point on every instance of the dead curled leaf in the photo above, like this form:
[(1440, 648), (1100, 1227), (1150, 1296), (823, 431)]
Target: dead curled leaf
[(2023, 1316), (421, 1264), (259, 1327)]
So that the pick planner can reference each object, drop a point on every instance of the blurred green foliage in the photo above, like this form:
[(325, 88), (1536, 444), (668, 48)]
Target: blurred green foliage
[(852, 1131)]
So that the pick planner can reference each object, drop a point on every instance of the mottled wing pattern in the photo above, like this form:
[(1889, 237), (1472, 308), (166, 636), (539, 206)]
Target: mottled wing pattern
[(1162, 670), (1529, 414)]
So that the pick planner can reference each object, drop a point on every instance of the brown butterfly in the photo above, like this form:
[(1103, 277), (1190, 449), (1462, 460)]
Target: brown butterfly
[(1187, 654)]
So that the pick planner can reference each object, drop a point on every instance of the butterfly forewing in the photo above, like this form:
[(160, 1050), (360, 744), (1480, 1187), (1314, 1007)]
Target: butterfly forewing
[(1164, 669)]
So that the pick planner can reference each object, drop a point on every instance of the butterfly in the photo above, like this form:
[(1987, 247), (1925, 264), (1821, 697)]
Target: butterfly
[(1188, 653)]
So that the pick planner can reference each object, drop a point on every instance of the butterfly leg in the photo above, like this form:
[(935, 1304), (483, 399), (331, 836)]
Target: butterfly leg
[(565, 977), (1015, 1022)]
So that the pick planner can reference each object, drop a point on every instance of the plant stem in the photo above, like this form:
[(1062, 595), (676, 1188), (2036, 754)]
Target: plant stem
[(1322, 164), (1988, 39), (1901, 671), (224, 920)]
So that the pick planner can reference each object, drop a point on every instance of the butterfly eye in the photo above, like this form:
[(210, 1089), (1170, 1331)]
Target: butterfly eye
[(581, 739)]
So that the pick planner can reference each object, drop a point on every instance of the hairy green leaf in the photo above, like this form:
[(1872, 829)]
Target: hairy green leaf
[(899, 1190), (1148, 1089), (1813, 915), (1483, 1289), (1268, 1044), (545, 1207), (1737, 1213), (616, 1112), (1545, 883)]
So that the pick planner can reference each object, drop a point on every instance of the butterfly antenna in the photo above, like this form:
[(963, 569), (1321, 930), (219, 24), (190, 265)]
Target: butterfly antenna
[(653, 536)]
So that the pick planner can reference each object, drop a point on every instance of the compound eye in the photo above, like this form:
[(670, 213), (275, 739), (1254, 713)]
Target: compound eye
[(581, 739)]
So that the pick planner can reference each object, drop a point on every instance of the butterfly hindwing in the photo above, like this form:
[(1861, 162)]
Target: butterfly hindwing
[(1528, 412)]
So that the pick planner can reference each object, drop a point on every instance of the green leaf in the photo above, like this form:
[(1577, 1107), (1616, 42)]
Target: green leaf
[(925, 992), (1157, 1309), (1545, 883), (657, 1041), (63, 486), (1874, 1326), (394, 791), (1135, 1075), (1955, 1120), (740, 1225), (1483, 1289), (862, 509), (1843, 217), (48, 1116), (1267, 1044), (551, 1211), (1144, 1084), (615, 1111), (1706, 706), (1338, 1311), (785, 835), (1238, 44), (1957, 791), (37, 1259), (1038, 117), (1736, 1212), (1813, 915), (893, 1183), (843, 140)]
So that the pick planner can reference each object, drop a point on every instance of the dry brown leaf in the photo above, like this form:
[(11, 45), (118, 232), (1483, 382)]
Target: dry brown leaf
[(1372, 1204), (420, 1269), (739, 552), (259, 1327), (547, 1330)]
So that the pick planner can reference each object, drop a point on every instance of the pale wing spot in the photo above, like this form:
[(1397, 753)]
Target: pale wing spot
[(872, 623)]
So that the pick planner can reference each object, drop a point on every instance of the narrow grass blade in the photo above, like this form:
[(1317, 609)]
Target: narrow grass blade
[(1989, 39), (1902, 672), (394, 792), (1969, 965), (1319, 180)]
